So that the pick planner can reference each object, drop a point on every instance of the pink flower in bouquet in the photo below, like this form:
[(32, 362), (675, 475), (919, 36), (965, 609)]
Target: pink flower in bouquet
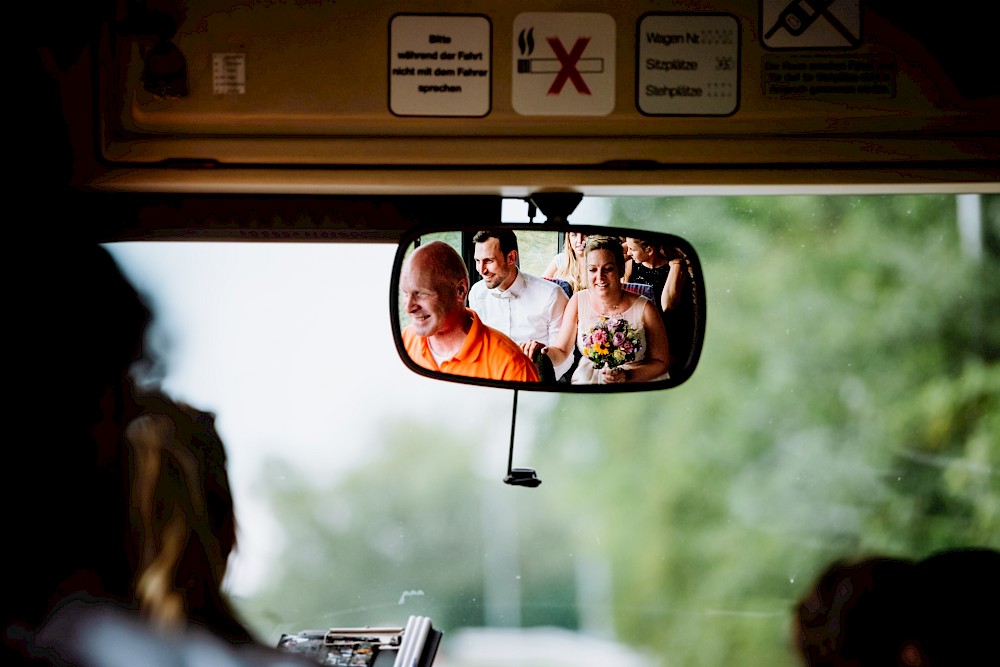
[(612, 342)]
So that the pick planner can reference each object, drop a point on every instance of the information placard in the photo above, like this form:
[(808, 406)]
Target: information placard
[(229, 73), (829, 77), (440, 65), (688, 65)]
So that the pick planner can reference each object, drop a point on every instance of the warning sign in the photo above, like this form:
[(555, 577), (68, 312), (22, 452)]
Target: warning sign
[(810, 24), (831, 78), (564, 64), (688, 64), (440, 65)]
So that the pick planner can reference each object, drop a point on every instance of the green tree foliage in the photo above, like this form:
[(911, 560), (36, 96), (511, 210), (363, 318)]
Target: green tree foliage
[(351, 545), (846, 404), (411, 532)]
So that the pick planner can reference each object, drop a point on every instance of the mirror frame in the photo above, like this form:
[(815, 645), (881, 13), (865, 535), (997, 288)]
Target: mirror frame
[(676, 379)]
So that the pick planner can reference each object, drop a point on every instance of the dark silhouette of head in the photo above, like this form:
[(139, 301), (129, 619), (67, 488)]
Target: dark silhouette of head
[(80, 326), (937, 612), (959, 593), (859, 615)]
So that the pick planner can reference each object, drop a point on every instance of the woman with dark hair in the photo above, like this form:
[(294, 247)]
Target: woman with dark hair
[(129, 519), (619, 334), (860, 614), (936, 612), (668, 272), (82, 327), (651, 265)]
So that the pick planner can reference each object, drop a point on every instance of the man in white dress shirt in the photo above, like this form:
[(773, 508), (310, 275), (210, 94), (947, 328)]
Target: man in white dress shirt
[(527, 308)]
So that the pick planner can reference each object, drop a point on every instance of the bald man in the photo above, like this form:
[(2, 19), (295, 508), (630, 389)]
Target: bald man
[(444, 335)]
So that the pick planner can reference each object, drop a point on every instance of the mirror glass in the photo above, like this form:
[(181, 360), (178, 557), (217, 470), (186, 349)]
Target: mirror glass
[(549, 307)]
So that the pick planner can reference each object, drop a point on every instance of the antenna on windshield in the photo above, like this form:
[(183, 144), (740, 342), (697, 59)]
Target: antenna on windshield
[(518, 476)]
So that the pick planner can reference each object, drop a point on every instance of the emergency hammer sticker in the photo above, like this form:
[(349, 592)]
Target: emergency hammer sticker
[(563, 64)]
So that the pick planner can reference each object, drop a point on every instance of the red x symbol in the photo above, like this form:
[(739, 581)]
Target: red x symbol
[(568, 62)]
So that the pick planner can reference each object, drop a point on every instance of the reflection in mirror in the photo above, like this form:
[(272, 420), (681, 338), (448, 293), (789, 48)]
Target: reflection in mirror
[(563, 308)]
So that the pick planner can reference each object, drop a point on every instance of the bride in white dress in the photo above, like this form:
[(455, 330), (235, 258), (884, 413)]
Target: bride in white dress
[(605, 297)]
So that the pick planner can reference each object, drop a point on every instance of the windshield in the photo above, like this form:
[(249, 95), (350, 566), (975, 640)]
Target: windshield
[(846, 405)]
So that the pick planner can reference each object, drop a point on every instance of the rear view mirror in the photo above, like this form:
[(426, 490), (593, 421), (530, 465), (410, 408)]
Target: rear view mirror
[(548, 307)]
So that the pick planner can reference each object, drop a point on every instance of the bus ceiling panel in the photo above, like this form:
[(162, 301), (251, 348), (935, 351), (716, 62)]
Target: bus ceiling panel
[(511, 84), (135, 215), (619, 180)]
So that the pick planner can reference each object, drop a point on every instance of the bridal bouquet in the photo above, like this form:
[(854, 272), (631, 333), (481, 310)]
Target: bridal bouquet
[(612, 342)]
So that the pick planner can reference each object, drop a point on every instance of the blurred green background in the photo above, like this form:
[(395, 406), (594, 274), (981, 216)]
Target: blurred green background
[(847, 404)]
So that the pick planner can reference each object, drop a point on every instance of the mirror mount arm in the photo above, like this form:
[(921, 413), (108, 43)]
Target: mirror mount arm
[(556, 206), (518, 476)]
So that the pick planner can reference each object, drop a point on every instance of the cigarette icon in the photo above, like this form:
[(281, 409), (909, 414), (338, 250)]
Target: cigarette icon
[(553, 66)]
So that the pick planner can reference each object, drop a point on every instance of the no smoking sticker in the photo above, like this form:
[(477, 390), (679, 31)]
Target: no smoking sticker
[(563, 64)]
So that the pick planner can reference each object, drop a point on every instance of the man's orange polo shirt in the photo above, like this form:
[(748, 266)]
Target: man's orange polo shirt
[(486, 353)]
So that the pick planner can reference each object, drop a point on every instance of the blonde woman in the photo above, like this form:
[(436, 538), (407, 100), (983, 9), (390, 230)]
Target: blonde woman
[(605, 300), (568, 265)]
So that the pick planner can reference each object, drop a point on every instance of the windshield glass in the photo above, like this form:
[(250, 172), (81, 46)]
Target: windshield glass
[(846, 405)]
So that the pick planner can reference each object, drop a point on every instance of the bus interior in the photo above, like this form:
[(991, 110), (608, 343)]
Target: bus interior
[(256, 169)]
